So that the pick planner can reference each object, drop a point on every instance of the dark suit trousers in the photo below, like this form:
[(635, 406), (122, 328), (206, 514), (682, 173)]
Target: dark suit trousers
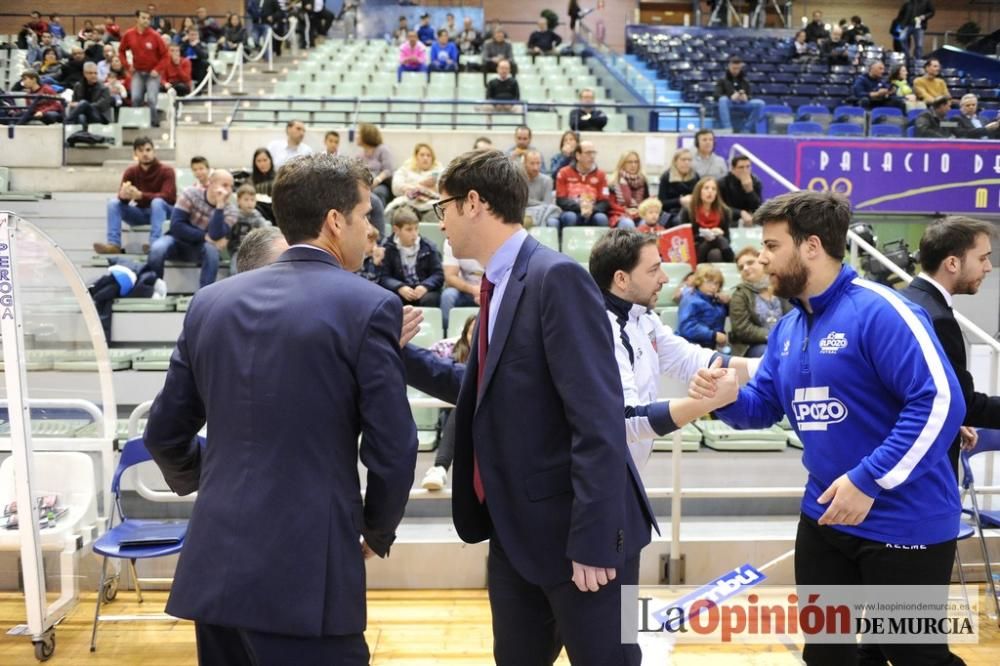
[(531, 624), (224, 646)]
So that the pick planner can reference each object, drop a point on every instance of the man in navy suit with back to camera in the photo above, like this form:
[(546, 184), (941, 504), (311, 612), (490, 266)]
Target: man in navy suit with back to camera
[(541, 465), (289, 364)]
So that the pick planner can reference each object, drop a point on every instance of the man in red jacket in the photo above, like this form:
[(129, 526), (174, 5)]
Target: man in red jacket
[(582, 190), (175, 71), (42, 109), (148, 51)]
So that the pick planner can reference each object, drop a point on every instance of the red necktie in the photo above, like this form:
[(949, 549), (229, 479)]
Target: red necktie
[(485, 293)]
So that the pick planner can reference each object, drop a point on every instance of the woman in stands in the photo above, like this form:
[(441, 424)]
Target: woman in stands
[(630, 187), (710, 220), (50, 68), (416, 183), (234, 34), (262, 178), (187, 23), (377, 158), (753, 308), (900, 80), (677, 185), (566, 154)]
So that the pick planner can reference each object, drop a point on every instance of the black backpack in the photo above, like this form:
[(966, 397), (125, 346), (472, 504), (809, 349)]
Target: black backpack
[(82, 138)]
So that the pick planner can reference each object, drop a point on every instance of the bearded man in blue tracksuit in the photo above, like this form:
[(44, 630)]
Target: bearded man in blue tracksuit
[(861, 376)]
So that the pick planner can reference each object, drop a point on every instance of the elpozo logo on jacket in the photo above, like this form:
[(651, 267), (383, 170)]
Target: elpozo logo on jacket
[(814, 409), (832, 343)]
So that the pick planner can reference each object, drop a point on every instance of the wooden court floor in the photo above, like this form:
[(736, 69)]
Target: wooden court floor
[(411, 628)]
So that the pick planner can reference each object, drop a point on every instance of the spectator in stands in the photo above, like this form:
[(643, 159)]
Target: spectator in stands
[(576, 13), (451, 27), (857, 32), (248, 218), (741, 190), (187, 23), (733, 93), (462, 278), (582, 191), (587, 117), (91, 100), (652, 218), (469, 40), (88, 25), (630, 187), (199, 227), (458, 350), (320, 19), (414, 184), (40, 102), (497, 50), (196, 52), (543, 41), (702, 317), (51, 67), (147, 51), (567, 152), (928, 125), (120, 71), (412, 55), (117, 88), (105, 64), (412, 266), (541, 195), (677, 184), (258, 26), (371, 268), (503, 87), (402, 31), (331, 141), (72, 70), (146, 196), (872, 91), (234, 34), (444, 54), (45, 42), (155, 21), (482, 143), (262, 175), (425, 32), (377, 158), (800, 48), (201, 170), (835, 50), (754, 309), (37, 24), (930, 85), (710, 219), (706, 162), (292, 146), (912, 21), (175, 72), (111, 28), (816, 29), (208, 28), (969, 124), (522, 144), (899, 78), (55, 28), (260, 248)]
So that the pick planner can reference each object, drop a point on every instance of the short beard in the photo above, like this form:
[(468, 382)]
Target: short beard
[(965, 287), (792, 282)]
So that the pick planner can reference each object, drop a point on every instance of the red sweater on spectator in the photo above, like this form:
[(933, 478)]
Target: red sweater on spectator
[(571, 184), (113, 30), (45, 105), (158, 181), (171, 73), (147, 49)]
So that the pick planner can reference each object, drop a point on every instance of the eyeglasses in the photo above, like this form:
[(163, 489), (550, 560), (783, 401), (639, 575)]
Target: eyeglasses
[(438, 206)]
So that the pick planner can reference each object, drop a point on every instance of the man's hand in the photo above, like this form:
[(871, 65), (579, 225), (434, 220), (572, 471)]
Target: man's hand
[(220, 198), (406, 293), (705, 382), (727, 389), (412, 317), (420, 291), (849, 506), (590, 579), (721, 338), (366, 551), (746, 217), (970, 437), (378, 254), (124, 192)]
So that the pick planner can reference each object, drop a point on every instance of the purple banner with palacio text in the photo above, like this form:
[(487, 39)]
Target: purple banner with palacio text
[(878, 175)]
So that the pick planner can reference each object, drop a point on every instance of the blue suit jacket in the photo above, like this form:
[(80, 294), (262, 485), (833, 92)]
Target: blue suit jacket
[(546, 426), (289, 363)]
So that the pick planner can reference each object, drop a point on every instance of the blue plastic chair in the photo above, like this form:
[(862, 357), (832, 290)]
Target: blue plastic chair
[(886, 129), (805, 128), (989, 440), (886, 114), (846, 113), (132, 538), (771, 110), (846, 129)]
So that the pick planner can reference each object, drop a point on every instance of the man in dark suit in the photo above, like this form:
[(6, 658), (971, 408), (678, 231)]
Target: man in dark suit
[(955, 258), (541, 466), (290, 363), (970, 126)]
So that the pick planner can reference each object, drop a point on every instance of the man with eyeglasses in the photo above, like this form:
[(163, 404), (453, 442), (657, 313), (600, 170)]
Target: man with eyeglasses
[(582, 190), (541, 466)]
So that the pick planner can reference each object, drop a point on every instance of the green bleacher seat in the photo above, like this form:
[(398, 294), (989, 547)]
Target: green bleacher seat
[(121, 429), (543, 121), (84, 360), (184, 178), (730, 274), (112, 131), (794, 440), (721, 437), (690, 440), (353, 76), (457, 317), (426, 419), (547, 236), (432, 232), (741, 237), (133, 117), (183, 302), (62, 428), (617, 122), (37, 359), (675, 273), (168, 304), (437, 121), (152, 359), (668, 314), (577, 241), (380, 89)]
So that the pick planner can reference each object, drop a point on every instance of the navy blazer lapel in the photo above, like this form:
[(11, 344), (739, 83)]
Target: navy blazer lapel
[(505, 314)]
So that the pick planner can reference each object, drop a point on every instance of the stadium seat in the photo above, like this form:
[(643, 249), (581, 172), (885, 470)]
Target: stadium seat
[(885, 114), (547, 236), (543, 121), (577, 241), (886, 130), (849, 114), (690, 439), (669, 314), (617, 122), (806, 128), (846, 129), (432, 232), (912, 114), (741, 237), (134, 117), (774, 118), (816, 113), (675, 273)]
